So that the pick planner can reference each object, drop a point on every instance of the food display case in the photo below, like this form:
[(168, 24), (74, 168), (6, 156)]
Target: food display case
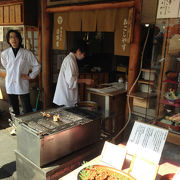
[(168, 87), (165, 65)]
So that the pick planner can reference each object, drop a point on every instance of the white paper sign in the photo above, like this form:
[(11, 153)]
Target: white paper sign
[(142, 170), (168, 9), (1, 33), (177, 175), (113, 155), (147, 141)]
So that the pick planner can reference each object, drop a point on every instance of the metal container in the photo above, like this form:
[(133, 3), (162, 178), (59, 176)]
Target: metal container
[(42, 140)]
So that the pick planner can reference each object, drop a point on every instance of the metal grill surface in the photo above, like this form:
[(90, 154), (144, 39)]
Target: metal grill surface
[(69, 117)]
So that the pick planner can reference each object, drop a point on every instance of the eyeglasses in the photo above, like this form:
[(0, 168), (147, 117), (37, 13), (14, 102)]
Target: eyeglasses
[(13, 37)]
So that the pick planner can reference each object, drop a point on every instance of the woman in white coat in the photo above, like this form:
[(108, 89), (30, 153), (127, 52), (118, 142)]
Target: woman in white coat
[(66, 92), (18, 62)]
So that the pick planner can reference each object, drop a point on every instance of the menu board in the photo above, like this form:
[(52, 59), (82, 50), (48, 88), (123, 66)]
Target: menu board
[(168, 9), (147, 141)]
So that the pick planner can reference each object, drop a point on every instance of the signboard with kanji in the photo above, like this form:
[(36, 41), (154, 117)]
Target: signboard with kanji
[(168, 9)]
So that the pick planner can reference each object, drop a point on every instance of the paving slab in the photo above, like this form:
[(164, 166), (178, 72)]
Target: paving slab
[(7, 155)]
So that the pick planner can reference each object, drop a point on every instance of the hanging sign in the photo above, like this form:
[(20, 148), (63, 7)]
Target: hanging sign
[(124, 34), (121, 38), (168, 9), (59, 31)]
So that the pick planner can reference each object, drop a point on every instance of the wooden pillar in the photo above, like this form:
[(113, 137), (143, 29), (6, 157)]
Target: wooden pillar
[(46, 46), (134, 51), (39, 41)]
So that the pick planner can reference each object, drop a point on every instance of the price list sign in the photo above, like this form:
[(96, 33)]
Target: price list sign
[(147, 141)]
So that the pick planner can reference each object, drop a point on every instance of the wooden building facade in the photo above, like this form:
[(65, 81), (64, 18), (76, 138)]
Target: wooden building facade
[(40, 15), (52, 7)]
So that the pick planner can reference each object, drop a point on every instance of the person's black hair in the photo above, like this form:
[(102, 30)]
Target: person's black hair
[(17, 34), (81, 45)]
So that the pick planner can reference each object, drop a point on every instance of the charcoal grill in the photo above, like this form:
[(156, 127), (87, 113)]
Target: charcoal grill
[(42, 140)]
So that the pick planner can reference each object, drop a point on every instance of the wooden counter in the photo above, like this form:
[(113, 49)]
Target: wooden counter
[(98, 77), (111, 103), (165, 167)]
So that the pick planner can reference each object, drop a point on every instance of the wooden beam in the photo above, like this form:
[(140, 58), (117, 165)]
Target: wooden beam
[(91, 7), (8, 3), (134, 51), (46, 46), (135, 47)]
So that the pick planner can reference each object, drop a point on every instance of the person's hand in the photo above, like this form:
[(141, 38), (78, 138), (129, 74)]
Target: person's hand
[(89, 81), (25, 77)]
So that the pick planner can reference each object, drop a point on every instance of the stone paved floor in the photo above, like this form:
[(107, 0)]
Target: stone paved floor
[(7, 147)]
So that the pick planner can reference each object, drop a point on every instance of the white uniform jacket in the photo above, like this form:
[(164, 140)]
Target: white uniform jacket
[(15, 66), (66, 92)]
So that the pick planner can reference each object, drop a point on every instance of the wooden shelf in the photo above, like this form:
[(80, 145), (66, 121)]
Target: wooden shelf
[(142, 95), (148, 70), (174, 52), (171, 81), (18, 12), (173, 138), (165, 101), (146, 82)]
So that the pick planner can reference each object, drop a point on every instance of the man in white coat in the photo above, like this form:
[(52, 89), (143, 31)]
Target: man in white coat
[(66, 92), (18, 62)]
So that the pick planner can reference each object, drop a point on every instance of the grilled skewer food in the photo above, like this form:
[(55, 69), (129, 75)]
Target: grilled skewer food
[(56, 118), (45, 114)]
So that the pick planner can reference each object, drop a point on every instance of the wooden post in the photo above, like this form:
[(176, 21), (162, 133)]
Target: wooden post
[(46, 46), (134, 51), (40, 42)]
